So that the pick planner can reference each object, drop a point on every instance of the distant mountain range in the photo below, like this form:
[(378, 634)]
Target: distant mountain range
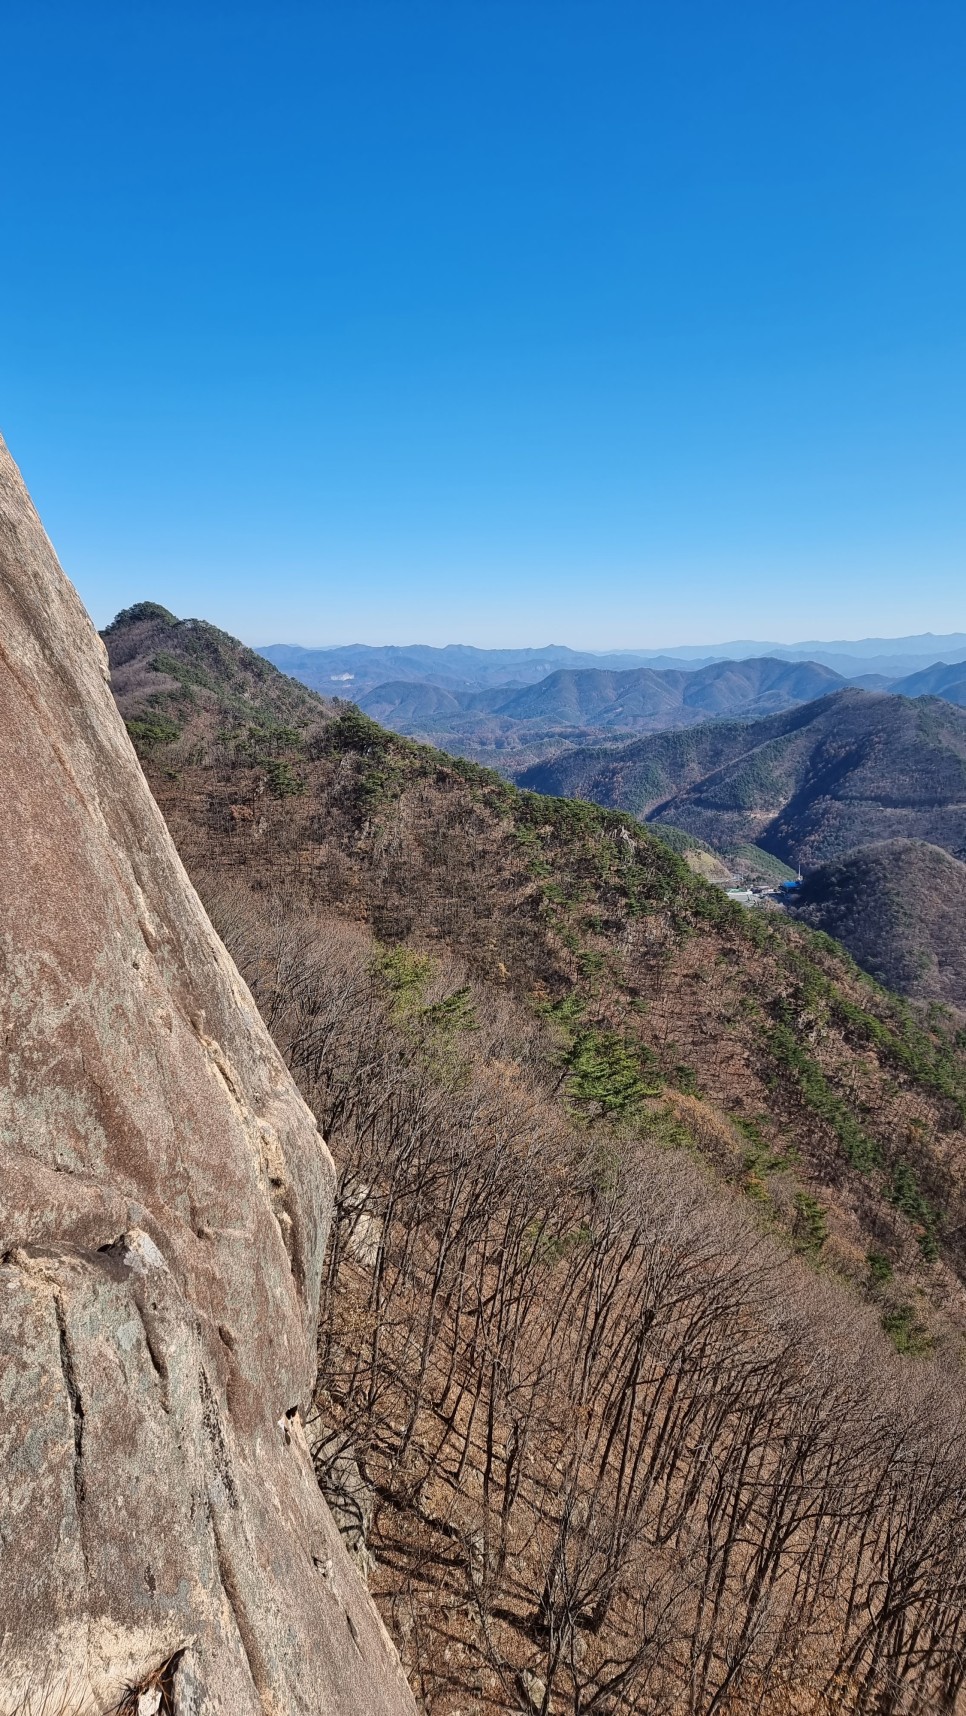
[(357, 668), (578, 705), (808, 785), (851, 761), (850, 657), (601, 698), (515, 707), (941, 680)]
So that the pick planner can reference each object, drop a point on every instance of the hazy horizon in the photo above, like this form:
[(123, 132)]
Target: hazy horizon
[(842, 644)]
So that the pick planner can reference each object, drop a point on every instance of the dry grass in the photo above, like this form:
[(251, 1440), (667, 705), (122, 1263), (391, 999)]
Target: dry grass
[(152, 1695)]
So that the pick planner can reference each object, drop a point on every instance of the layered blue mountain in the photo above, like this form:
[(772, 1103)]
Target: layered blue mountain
[(943, 679), (598, 697), (353, 669), (461, 667)]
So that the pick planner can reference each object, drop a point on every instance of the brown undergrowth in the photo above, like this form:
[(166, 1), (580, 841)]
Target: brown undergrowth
[(628, 1453), (564, 911)]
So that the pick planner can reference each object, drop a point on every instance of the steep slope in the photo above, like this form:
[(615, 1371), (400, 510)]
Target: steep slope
[(900, 909), (552, 900), (809, 785), (606, 1142), (573, 1360), (158, 660), (164, 1208)]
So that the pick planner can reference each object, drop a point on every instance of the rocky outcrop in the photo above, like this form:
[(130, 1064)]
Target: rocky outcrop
[(164, 1203)]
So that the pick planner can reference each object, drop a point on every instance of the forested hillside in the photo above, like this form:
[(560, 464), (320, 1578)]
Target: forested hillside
[(603, 1139), (807, 786), (900, 909), (577, 706)]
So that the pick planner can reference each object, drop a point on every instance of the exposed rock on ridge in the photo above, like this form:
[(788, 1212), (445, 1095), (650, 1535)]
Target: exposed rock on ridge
[(163, 1211)]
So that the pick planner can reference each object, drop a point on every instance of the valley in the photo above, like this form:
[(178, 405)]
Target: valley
[(619, 1053), (511, 709), (859, 789)]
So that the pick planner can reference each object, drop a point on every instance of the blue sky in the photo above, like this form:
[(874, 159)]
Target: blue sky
[(500, 322)]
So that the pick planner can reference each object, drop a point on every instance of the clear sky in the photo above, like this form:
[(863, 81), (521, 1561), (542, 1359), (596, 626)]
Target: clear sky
[(494, 321)]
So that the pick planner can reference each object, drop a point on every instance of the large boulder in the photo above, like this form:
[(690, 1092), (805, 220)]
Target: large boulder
[(164, 1203)]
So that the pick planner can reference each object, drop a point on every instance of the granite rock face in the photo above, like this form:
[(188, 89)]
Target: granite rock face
[(164, 1202)]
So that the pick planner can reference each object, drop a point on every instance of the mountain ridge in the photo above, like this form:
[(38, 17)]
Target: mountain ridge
[(807, 785), (469, 707), (333, 797), (581, 704), (483, 988), (466, 667), (942, 679)]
